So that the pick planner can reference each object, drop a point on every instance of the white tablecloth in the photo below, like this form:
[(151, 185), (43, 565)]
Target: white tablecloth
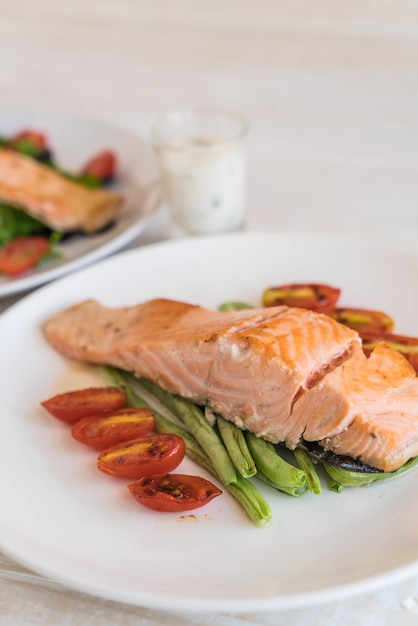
[(331, 89)]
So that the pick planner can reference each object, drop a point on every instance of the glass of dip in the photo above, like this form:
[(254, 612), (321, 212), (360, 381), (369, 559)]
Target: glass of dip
[(202, 154)]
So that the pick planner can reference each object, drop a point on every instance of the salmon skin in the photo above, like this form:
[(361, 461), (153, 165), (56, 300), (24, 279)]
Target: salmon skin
[(286, 374)]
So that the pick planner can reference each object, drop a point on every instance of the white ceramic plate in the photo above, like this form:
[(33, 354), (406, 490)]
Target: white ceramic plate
[(74, 140), (63, 518)]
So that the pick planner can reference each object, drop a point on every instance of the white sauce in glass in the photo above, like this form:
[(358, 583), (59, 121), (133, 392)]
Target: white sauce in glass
[(205, 183)]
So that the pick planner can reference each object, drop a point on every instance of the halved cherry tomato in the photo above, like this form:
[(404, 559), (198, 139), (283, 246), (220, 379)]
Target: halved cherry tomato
[(314, 296), (71, 406), (22, 254), (408, 346), (103, 431), (144, 456), (35, 138), (362, 320), (102, 166), (173, 492)]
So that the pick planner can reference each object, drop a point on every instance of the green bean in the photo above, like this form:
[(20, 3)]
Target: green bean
[(305, 463), (234, 306), (281, 474), (162, 425), (236, 445), (194, 420), (245, 493), (113, 377), (346, 478), (255, 505), (165, 397), (260, 474)]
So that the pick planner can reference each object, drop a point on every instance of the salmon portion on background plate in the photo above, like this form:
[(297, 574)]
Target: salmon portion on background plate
[(51, 198), (288, 375)]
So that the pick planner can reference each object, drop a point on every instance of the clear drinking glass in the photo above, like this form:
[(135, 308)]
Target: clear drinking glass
[(202, 154)]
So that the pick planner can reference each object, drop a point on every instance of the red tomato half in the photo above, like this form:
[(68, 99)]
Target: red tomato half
[(362, 320), (103, 431), (34, 137), (71, 406), (155, 454), (22, 254), (102, 166), (173, 492), (314, 296), (408, 346)]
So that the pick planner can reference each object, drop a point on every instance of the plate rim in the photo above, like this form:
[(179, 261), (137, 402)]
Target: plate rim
[(296, 600)]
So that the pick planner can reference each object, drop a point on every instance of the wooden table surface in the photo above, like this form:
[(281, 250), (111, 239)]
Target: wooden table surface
[(331, 90)]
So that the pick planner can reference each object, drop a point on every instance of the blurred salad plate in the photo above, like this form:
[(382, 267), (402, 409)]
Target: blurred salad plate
[(78, 157)]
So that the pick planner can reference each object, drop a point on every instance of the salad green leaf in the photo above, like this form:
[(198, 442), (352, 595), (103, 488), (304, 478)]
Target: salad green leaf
[(16, 223)]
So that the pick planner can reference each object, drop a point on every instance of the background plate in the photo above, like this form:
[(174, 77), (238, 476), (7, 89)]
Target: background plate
[(73, 141), (63, 518)]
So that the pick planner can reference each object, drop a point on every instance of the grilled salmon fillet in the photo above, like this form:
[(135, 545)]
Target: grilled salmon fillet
[(57, 202), (283, 373)]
